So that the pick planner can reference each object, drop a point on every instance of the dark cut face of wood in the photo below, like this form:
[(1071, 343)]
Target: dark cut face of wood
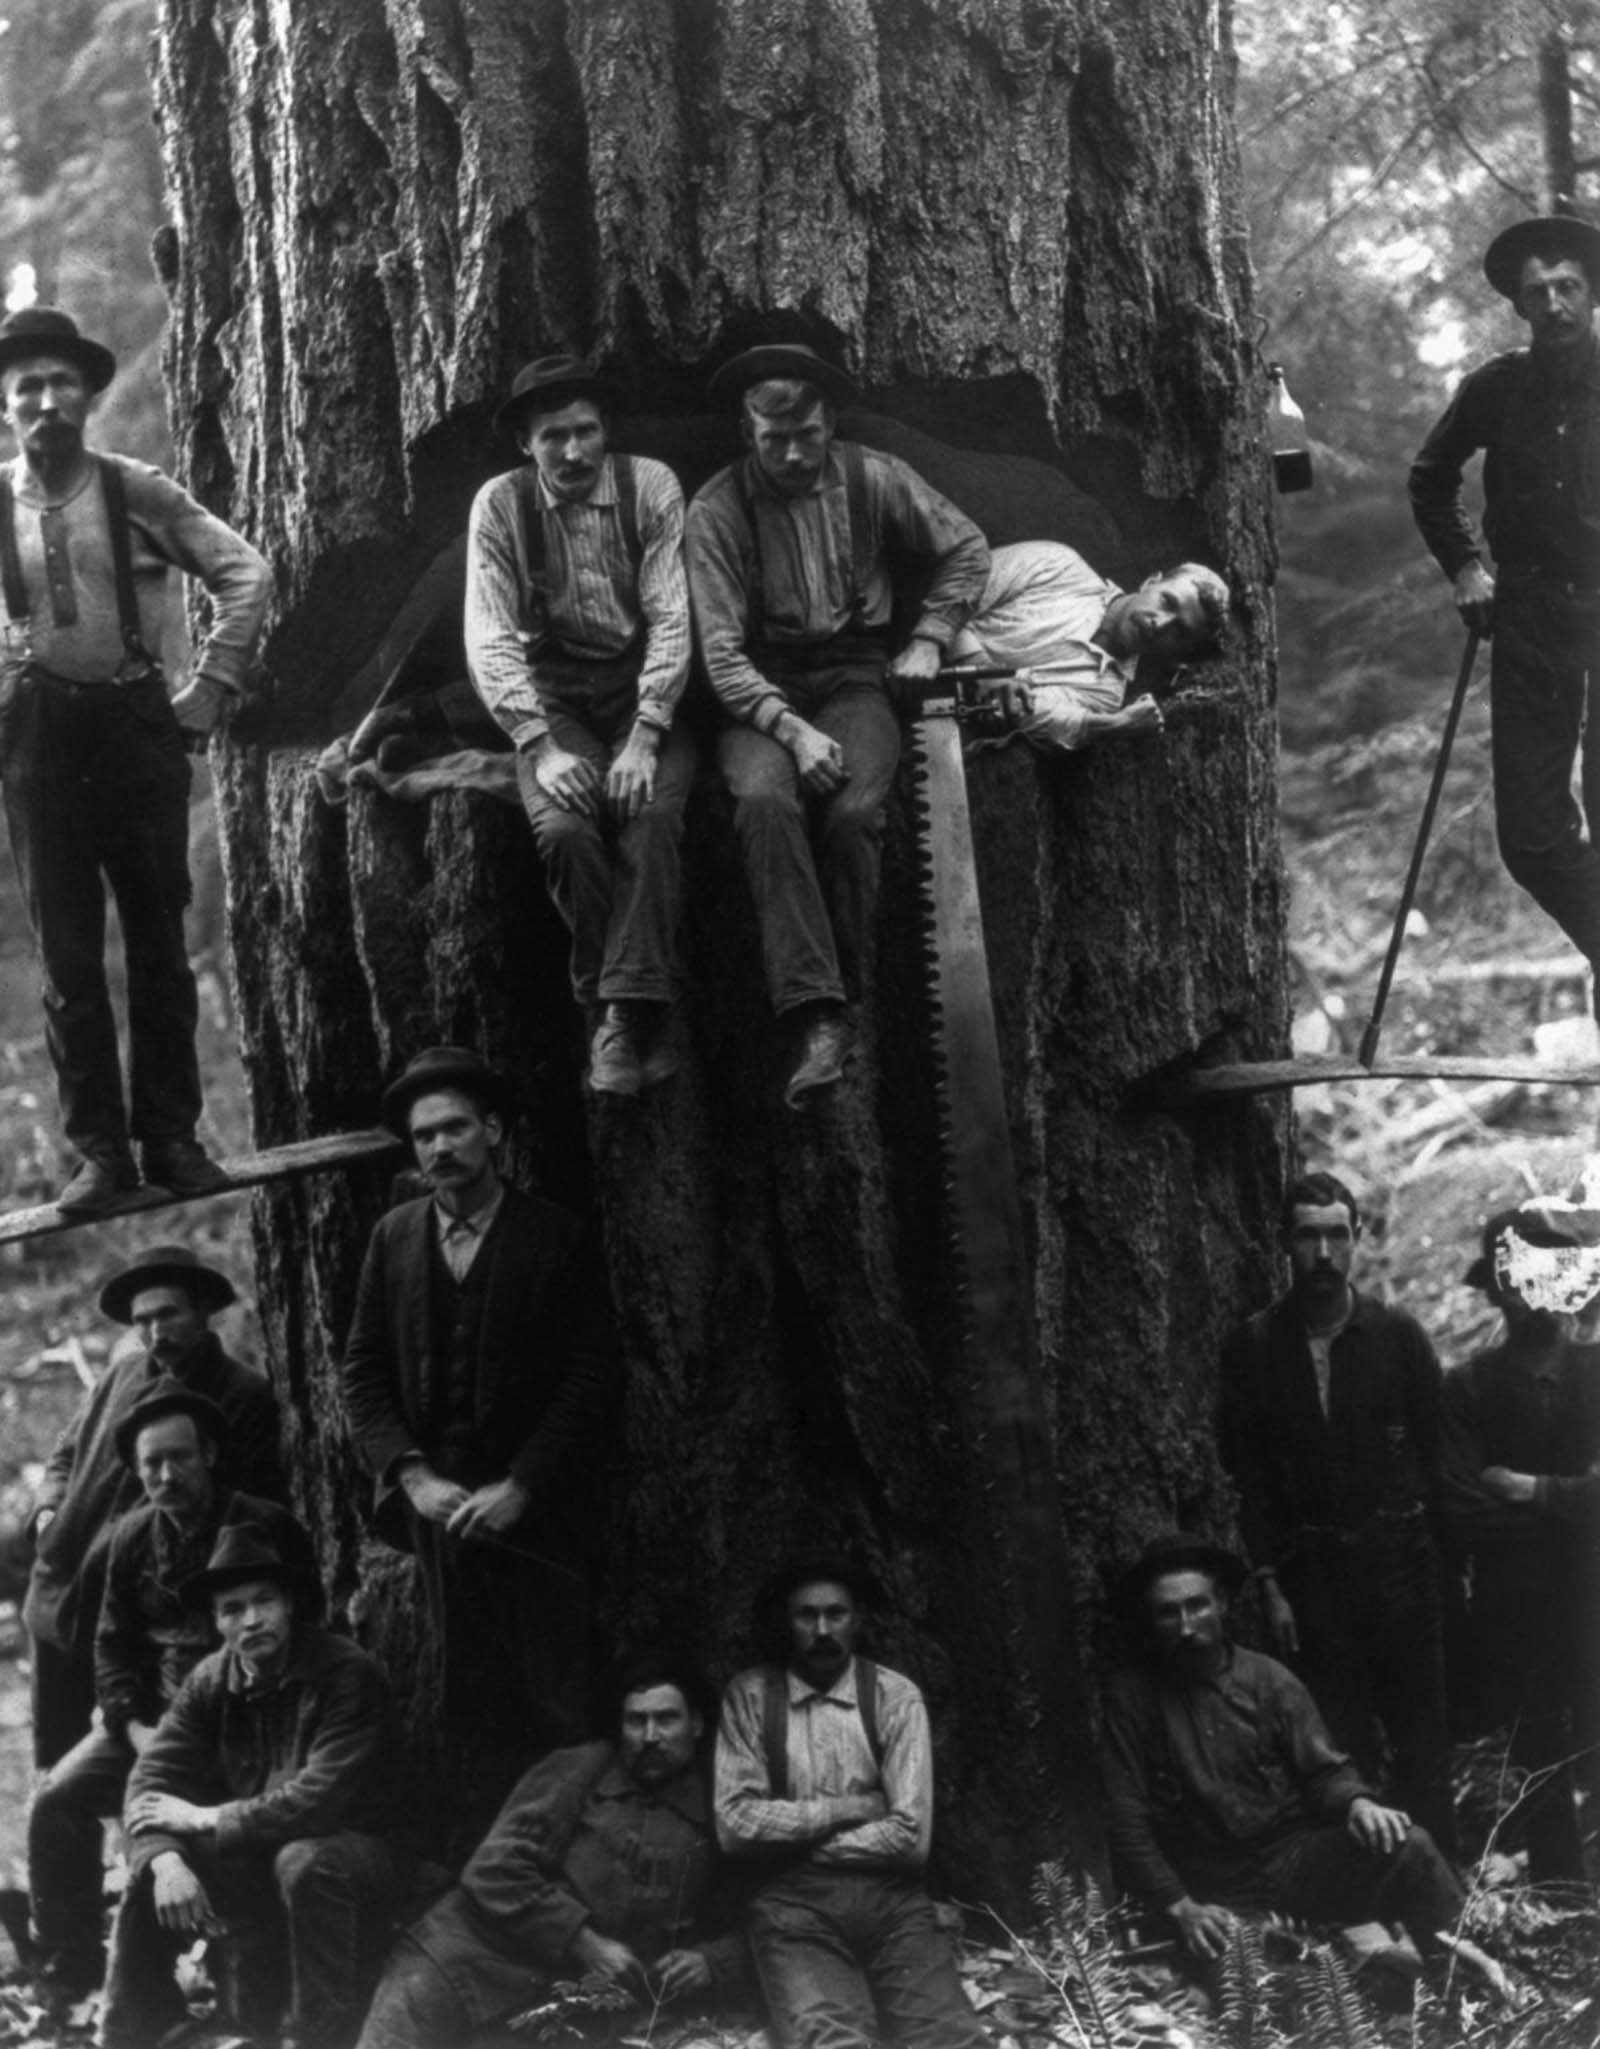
[(1021, 233)]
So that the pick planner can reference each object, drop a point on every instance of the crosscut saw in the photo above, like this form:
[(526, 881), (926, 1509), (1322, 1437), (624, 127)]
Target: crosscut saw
[(984, 1215)]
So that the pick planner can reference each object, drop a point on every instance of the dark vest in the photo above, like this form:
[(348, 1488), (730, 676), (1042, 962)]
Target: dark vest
[(456, 1312)]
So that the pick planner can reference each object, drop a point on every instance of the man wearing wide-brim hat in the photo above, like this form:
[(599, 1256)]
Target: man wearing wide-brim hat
[(1535, 414), (168, 1297), (1223, 1790), (266, 1803), (151, 1634), (824, 1788), (577, 635), (789, 553), (479, 1376), (93, 764), (1521, 1469)]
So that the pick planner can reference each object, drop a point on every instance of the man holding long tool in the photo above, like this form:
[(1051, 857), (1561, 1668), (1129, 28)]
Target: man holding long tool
[(1535, 413)]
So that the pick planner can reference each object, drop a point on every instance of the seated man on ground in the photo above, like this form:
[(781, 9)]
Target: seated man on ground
[(824, 1785), (1223, 1790), (260, 1811), (1081, 646), (600, 1862), (150, 1638)]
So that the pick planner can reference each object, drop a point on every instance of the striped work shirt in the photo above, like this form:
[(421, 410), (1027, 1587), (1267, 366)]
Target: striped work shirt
[(829, 1758), (598, 600), (1041, 609)]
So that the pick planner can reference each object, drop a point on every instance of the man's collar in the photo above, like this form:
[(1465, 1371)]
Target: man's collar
[(604, 492), (843, 1689), (304, 1646), (477, 1221), (685, 1793)]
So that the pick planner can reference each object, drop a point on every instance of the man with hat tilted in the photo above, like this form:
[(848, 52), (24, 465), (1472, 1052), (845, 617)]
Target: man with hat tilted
[(264, 1806), (1535, 413), (478, 1380), (168, 1298), (93, 762), (1522, 1496), (789, 554), (1223, 1790), (824, 1789), (151, 1635), (577, 633)]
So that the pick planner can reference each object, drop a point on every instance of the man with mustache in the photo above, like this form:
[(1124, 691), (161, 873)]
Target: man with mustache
[(93, 761), (1329, 1424), (1081, 647), (577, 632), (824, 1790), (793, 557), (479, 1373), (168, 1298), (601, 1862), (262, 1812), (1535, 413), (1522, 1495), (150, 1637), (1222, 1789)]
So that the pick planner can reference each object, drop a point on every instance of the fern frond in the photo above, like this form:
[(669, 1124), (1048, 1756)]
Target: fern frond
[(1338, 2015)]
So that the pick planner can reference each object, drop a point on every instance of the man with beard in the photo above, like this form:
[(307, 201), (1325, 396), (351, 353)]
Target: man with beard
[(793, 557), (824, 1788), (262, 1808), (601, 1862), (150, 1637), (93, 765), (577, 633), (1329, 1424), (1535, 413), (1522, 1493), (478, 1374), (168, 1297), (1222, 1789)]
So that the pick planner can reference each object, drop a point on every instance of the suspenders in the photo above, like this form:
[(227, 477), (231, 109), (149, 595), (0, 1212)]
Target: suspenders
[(775, 1722), (536, 617), (862, 551), (116, 502)]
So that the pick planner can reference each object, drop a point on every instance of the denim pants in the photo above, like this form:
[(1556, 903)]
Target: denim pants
[(852, 1959), (812, 862), (323, 1904), (616, 886), (1324, 1874), (66, 1864), (1370, 1614), (96, 788), (1544, 693)]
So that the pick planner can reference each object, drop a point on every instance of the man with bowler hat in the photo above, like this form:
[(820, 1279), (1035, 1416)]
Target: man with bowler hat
[(824, 1789), (1223, 1789), (577, 633), (168, 1297), (793, 555), (150, 1637), (262, 1814), (93, 763), (1535, 412), (478, 1379)]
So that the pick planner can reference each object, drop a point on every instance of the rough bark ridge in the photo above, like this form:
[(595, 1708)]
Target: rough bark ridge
[(1016, 220)]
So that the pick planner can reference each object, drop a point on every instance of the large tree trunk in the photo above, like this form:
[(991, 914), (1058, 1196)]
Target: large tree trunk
[(1018, 223)]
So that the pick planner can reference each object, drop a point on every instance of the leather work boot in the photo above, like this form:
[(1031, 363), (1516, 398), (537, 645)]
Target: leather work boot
[(101, 1181), (182, 1166), (614, 1064), (827, 1041)]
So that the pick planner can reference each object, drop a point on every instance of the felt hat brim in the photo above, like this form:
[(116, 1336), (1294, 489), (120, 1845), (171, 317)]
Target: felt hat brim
[(781, 359), (439, 1069), (96, 361), (510, 413), (1180, 1554), (208, 1289), (1548, 236)]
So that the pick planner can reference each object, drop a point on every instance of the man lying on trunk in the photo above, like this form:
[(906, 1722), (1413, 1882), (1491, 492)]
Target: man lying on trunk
[(1082, 647)]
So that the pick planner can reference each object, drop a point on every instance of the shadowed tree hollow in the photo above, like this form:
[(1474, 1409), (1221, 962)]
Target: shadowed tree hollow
[(1016, 221)]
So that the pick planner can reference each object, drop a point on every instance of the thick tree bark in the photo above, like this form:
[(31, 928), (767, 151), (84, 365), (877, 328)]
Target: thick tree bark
[(1018, 223)]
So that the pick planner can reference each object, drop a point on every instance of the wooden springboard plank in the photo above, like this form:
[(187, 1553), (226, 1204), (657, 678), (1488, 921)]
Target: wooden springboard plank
[(1265, 1077), (246, 1170)]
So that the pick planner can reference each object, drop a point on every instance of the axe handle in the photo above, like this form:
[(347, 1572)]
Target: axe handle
[(1369, 1038)]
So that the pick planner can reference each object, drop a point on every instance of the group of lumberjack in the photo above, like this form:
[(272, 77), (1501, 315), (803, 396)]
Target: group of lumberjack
[(257, 1775)]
